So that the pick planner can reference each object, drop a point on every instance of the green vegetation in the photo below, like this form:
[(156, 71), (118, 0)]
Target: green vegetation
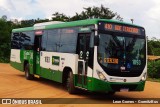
[(5, 31), (153, 79), (88, 13), (154, 69), (154, 66), (154, 46)]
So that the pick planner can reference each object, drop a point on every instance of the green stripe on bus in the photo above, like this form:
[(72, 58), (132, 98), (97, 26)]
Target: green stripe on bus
[(18, 66), (51, 74)]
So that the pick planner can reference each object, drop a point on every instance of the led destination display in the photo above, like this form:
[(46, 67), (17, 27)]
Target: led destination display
[(121, 28)]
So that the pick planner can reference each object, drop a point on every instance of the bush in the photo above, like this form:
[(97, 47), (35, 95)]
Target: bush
[(154, 69), (5, 53)]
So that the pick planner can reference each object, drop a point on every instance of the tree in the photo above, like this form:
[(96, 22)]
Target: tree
[(88, 13), (40, 20), (98, 12), (59, 17), (4, 17), (5, 31), (27, 23), (154, 46)]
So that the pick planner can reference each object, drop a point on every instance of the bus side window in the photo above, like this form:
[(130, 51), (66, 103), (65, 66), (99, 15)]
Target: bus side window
[(15, 41), (68, 40), (27, 40), (53, 40), (44, 41)]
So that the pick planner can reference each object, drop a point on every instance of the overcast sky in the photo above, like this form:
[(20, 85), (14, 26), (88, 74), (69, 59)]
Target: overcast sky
[(144, 12)]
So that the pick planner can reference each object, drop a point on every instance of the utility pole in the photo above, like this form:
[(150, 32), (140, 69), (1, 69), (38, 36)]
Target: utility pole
[(132, 20)]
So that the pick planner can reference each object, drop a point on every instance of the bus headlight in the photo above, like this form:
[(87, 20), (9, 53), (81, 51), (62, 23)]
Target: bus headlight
[(101, 76), (144, 77)]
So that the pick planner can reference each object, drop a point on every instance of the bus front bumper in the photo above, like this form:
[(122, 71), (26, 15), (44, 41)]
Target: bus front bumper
[(103, 86)]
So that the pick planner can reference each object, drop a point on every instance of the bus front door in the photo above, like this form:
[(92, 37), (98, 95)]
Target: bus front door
[(37, 49), (83, 52)]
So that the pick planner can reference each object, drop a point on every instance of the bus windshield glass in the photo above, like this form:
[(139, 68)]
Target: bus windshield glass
[(121, 52)]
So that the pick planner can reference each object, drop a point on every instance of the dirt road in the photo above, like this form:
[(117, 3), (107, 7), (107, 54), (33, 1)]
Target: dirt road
[(14, 85)]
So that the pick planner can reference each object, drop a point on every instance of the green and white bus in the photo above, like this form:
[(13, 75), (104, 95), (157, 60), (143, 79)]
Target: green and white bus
[(97, 55)]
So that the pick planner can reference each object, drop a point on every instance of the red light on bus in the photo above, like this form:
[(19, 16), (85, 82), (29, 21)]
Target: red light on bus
[(69, 31), (39, 32)]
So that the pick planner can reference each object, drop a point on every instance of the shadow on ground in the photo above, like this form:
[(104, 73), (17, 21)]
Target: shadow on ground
[(88, 97)]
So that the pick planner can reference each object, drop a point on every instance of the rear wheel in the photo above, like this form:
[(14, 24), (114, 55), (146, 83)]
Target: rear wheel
[(27, 73), (70, 83)]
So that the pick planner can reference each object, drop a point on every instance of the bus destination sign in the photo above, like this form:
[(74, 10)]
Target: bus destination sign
[(121, 28)]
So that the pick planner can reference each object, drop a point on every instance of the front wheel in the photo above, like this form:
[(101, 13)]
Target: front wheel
[(70, 83), (27, 73)]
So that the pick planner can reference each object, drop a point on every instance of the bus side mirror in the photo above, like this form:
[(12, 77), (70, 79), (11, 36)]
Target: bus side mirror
[(96, 40)]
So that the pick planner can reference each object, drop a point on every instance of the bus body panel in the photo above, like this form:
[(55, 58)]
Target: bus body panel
[(55, 63), (18, 58), (15, 59)]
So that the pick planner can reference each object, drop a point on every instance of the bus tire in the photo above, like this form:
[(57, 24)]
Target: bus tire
[(70, 83), (27, 73)]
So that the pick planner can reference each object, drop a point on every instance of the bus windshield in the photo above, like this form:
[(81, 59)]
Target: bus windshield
[(121, 52)]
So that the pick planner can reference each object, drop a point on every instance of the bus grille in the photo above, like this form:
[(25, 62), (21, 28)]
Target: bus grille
[(117, 87)]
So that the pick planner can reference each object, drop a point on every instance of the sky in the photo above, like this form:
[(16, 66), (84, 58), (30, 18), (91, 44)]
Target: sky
[(145, 13)]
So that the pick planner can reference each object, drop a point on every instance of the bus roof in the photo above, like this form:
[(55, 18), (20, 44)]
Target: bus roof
[(71, 24)]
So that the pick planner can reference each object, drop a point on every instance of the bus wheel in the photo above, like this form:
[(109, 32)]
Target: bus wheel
[(70, 83), (27, 74)]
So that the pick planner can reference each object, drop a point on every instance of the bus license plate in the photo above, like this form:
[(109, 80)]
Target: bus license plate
[(124, 90)]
